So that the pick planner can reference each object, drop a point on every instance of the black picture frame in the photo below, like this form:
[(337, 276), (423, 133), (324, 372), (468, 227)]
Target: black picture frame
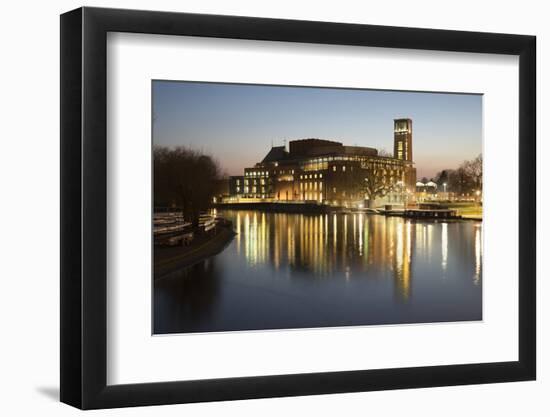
[(84, 207)]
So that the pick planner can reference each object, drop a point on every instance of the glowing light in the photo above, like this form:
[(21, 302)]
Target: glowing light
[(444, 245), (478, 249)]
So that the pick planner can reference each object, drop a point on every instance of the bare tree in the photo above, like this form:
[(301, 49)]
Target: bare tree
[(459, 180), (442, 178), (373, 183), (474, 170), (184, 178), (467, 178)]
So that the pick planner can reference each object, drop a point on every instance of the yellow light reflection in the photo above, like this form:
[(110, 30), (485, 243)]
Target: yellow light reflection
[(478, 254), (444, 245)]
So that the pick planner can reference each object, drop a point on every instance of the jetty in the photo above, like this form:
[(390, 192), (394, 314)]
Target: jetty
[(446, 214), (432, 211)]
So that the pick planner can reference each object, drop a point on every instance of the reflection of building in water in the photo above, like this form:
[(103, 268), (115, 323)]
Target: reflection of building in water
[(478, 251), (444, 246), (326, 171), (326, 245), (403, 259)]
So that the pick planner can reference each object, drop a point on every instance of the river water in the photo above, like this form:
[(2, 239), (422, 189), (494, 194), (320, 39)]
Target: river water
[(285, 271)]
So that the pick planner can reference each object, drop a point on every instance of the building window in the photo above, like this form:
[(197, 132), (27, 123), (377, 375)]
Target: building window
[(238, 182), (333, 189), (320, 175), (320, 185), (343, 168), (334, 168)]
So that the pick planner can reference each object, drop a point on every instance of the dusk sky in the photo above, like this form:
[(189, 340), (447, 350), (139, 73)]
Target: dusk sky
[(237, 124)]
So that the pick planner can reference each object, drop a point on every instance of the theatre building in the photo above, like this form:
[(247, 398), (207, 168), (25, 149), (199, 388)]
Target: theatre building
[(329, 172)]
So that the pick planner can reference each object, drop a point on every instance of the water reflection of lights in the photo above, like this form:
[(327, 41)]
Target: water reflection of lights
[(367, 243), (292, 242), (444, 248), (353, 244), (420, 236), (334, 231), (429, 231), (409, 243), (399, 248), (239, 232), (354, 228), (361, 234), (345, 239), (403, 257), (478, 252), (386, 272)]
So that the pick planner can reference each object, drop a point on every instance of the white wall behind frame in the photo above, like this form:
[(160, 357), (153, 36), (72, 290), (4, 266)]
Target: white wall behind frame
[(134, 60)]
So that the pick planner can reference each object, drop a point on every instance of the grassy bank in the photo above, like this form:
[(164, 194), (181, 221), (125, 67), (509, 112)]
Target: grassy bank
[(468, 210)]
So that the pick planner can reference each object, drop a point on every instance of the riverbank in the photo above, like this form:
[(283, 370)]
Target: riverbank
[(462, 211), (169, 259), (466, 210), (277, 207)]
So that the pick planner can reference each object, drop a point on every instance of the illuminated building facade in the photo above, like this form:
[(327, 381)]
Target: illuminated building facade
[(328, 172), (402, 144)]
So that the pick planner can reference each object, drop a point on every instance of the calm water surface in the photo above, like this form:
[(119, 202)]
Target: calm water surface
[(298, 270)]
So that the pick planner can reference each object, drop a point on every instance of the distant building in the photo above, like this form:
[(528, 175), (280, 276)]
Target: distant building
[(428, 187), (329, 172), (236, 185)]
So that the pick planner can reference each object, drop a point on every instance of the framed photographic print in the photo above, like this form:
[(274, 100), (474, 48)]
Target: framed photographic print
[(258, 207)]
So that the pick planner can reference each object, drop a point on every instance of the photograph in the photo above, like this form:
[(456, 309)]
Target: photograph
[(294, 207)]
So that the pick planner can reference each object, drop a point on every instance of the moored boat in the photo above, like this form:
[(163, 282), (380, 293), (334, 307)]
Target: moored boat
[(171, 229), (207, 222)]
